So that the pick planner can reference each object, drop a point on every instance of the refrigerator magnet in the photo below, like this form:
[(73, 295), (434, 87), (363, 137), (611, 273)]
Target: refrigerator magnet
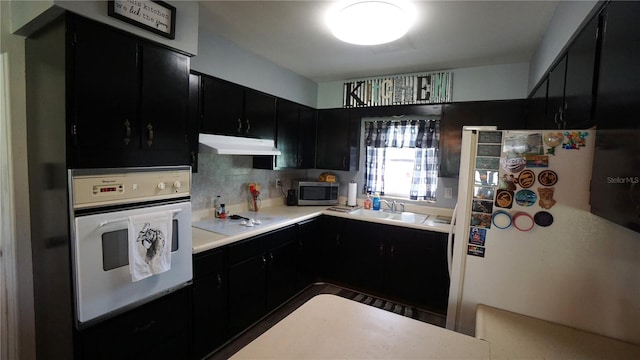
[(526, 178), (547, 178), (501, 219), (513, 165), (475, 250), (574, 140), (523, 221), (552, 140), (537, 161), (504, 198), (543, 218), (482, 206), (481, 220), (477, 236), (526, 197), (546, 198)]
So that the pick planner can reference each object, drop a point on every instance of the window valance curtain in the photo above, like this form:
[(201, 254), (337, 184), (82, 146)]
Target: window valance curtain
[(422, 135)]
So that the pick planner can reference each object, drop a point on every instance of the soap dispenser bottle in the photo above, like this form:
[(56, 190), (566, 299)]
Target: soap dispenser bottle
[(376, 201)]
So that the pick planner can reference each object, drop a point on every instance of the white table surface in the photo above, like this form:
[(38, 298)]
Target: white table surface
[(332, 327)]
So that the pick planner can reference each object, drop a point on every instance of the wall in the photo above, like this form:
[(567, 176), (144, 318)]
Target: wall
[(13, 46), (495, 82), (28, 16), (223, 59), (568, 17)]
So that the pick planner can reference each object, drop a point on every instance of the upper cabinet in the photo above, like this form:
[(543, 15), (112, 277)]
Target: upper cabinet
[(618, 93), (231, 109), (338, 140), (565, 98), (296, 136), (127, 99)]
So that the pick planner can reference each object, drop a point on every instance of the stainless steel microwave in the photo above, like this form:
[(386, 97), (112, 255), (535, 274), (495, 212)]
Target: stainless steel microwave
[(316, 192)]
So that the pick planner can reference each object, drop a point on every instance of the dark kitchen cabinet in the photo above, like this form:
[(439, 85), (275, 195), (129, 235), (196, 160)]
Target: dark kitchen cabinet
[(210, 305), (555, 95), (262, 275), (404, 264), (295, 138), (233, 110), (160, 329), (309, 248), (504, 114), (128, 99), (338, 140), (194, 119), (537, 107)]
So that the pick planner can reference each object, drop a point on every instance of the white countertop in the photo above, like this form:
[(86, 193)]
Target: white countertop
[(332, 327), (203, 240)]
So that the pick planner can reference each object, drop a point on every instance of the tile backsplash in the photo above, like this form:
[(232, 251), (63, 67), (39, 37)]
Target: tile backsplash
[(229, 177)]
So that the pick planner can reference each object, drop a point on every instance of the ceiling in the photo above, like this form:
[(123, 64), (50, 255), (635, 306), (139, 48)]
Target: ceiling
[(448, 35)]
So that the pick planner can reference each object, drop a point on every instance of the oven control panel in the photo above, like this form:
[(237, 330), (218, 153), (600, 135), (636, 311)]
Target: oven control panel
[(136, 185)]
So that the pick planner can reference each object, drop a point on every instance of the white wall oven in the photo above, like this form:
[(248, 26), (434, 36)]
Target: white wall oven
[(131, 237)]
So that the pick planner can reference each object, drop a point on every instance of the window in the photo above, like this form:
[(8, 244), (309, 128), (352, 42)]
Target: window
[(401, 158)]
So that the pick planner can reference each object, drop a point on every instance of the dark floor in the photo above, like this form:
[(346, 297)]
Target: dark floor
[(256, 330)]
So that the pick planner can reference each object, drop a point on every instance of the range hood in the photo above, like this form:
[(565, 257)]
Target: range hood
[(235, 145)]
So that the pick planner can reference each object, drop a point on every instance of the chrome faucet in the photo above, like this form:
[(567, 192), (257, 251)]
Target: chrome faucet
[(393, 204)]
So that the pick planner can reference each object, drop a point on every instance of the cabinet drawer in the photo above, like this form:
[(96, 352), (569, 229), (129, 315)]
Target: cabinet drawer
[(258, 245), (156, 330)]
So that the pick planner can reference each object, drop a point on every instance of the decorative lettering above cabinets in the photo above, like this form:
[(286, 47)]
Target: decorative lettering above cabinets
[(429, 88)]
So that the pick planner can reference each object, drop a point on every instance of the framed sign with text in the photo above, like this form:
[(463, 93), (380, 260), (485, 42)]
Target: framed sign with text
[(155, 16)]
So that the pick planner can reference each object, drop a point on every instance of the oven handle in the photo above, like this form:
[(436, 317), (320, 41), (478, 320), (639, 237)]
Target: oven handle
[(106, 222)]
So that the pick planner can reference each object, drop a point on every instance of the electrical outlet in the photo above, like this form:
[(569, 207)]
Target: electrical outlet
[(278, 183), (448, 193)]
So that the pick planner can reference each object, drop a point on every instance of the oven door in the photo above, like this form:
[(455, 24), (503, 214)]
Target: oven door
[(103, 282)]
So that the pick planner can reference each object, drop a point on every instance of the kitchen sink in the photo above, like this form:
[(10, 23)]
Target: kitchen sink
[(408, 217)]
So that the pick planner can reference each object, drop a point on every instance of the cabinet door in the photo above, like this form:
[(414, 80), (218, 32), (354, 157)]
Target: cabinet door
[(365, 248), (330, 261), (337, 140), (308, 119), (210, 307), (163, 107), (247, 292), (418, 273), (193, 127), (259, 115), (281, 273), (287, 134), (222, 104), (454, 117), (579, 84), (309, 246), (537, 107), (618, 98), (105, 95), (555, 96)]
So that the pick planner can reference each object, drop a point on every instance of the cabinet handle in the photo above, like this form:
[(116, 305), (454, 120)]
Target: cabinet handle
[(219, 281), (127, 131), (264, 260), (381, 248), (248, 127), (393, 250), (239, 126), (271, 257), (150, 134), (338, 239), (344, 162), (193, 158)]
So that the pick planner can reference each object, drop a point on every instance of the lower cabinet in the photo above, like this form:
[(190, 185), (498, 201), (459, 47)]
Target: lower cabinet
[(262, 275), (210, 306), (160, 329), (405, 264)]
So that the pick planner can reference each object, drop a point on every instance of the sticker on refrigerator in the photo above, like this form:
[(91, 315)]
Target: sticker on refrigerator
[(486, 177), (475, 250), (489, 150), (546, 198), (537, 161), (526, 197), (552, 140), (477, 236), (526, 178), (513, 165), (520, 144), (481, 220), (487, 163), (547, 178), (508, 182), (482, 206), (483, 192), (490, 137), (504, 198)]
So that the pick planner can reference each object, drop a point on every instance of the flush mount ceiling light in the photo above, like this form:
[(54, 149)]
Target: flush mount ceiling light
[(370, 22)]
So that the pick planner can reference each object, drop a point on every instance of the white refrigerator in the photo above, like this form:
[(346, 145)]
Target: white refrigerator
[(525, 240)]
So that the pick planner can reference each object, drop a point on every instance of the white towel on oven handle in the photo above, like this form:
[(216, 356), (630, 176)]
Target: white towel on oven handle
[(150, 238)]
